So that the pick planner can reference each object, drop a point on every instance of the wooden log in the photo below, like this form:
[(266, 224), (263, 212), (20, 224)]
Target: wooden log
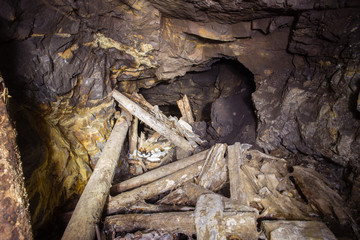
[(239, 225), (235, 161), (152, 121), (234, 164), (160, 186), (185, 109), (91, 203), (143, 207), (214, 173), (209, 213), (189, 193), (157, 173), (133, 136)]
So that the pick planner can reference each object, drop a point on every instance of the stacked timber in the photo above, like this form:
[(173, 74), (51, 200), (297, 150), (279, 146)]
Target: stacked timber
[(268, 198)]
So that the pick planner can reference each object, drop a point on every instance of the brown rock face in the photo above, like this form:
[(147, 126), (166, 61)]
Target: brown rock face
[(61, 59), (14, 214)]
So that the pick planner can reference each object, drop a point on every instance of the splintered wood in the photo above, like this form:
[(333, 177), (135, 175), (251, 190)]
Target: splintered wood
[(185, 109), (153, 120), (179, 197)]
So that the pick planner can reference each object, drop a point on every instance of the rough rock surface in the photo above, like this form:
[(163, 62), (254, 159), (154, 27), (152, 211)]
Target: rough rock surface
[(60, 59), (14, 213)]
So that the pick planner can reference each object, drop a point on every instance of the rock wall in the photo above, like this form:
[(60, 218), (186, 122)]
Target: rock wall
[(14, 212), (61, 58)]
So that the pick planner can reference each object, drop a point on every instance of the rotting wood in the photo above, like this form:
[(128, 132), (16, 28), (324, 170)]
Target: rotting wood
[(235, 161), (317, 191), (208, 217), (214, 173), (160, 186), (152, 121), (237, 224), (157, 173), (189, 193), (91, 203), (133, 137), (185, 109), (143, 207)]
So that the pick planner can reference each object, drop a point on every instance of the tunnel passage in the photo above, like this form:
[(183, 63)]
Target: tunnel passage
[(220, 97)]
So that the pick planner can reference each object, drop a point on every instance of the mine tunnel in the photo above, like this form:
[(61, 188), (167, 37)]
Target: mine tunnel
[(149, 119)]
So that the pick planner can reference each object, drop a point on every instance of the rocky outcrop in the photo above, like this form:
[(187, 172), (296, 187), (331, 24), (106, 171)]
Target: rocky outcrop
[(61, 59), (14, 215)]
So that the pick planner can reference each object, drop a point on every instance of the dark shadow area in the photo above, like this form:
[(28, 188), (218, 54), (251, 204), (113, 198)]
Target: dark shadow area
[(219, 96)]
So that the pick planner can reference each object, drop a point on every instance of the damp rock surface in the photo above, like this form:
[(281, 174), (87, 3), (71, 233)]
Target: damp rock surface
[(61, 60)]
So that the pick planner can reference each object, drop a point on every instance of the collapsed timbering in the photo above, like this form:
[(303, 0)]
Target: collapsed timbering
[(60, 61)]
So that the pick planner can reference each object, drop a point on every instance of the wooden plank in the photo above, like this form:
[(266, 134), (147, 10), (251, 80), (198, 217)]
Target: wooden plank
[(160, 186), (133, 137), (185, 109), (234, 164), (152, 121), (91, 203), (157, 173), (236, 176), (214, 173)]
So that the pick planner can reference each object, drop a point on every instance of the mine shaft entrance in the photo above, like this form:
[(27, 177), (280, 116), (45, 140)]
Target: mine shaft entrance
[(220, 97)]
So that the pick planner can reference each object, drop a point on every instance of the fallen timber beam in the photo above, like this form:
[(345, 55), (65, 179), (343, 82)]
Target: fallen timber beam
[(152, 121), (160, 186), (185, 109), (236, 224), (189, 193), (133, 136), (157, 173), (91, 203), (235, 161), (143, 207)]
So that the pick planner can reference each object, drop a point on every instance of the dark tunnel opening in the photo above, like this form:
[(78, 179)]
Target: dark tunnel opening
[(220, 98)]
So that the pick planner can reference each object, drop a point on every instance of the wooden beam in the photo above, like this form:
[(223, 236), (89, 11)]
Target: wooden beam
[(152, 121), (133, 136), (235, 161), (91, 203), (209, 213), (160, 186), (214, 173), (239, 225), (185, 109), (157, 173)]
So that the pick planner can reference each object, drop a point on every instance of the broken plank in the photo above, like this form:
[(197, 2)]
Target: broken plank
[(152, 121), (157, 173), (234, 164), (133, 137), (91, 203), (185, 109), (160, 186), (214, 173)]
